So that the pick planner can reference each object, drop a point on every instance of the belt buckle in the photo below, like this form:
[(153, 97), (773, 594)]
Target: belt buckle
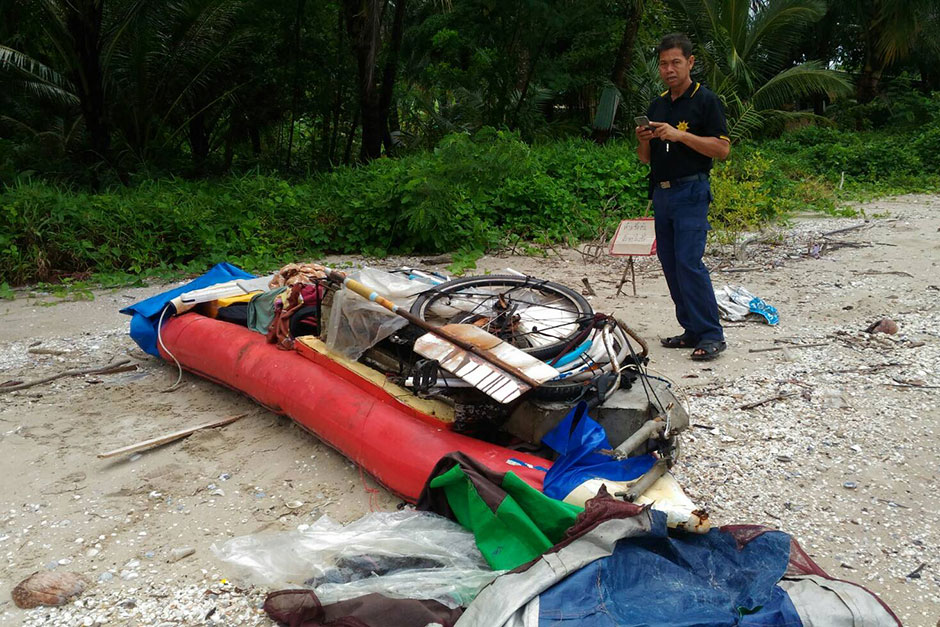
[(665, 184)]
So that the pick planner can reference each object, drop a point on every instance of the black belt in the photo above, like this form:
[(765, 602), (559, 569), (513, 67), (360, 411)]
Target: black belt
[(684, 179)]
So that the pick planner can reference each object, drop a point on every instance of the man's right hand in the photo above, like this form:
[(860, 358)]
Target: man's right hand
[(644, 133)]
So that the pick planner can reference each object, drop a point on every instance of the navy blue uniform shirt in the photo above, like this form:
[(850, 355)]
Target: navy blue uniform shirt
[(698, 111)]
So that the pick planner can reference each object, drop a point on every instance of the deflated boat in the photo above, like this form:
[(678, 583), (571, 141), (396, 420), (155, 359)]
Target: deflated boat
[(373, 385)]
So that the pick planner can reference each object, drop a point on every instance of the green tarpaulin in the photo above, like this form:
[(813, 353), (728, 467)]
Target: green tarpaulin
[(513, 522)]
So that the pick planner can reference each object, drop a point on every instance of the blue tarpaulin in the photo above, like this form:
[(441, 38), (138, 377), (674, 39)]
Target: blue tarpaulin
[(579, 462), (680, 580), (146, 313)]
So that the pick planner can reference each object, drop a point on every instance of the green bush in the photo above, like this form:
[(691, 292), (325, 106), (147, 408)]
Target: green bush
[(927, 146), (469, 193), (899, 109), (741, 196), (870, 158)]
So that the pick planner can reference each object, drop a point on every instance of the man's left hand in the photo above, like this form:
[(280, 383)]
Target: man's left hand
[(666, 132)]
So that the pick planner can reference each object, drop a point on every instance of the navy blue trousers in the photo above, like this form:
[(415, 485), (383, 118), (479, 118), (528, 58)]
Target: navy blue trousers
[(681, 214)]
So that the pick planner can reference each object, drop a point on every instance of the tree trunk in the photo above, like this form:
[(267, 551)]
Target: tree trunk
[(363, 23), (373, 131), (390, 72), (254, 135), (929, 75), (867, 86), (83, 20), (624, 58), (338, 90), (198, 140), (337, 110), (350, 137), (531, 61), (295, 97), (229, 155)]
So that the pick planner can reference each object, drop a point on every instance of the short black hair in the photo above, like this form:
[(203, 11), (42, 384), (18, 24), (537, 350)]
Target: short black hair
[(675, 40)]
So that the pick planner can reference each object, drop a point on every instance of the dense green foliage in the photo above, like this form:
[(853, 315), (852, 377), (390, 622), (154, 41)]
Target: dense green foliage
[(93, 92), (472, 193), (469, 193)]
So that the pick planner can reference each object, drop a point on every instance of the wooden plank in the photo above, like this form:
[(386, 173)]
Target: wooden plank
[(170, 437)]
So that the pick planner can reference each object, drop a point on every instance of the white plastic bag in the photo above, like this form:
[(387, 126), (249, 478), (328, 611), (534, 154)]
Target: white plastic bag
[(356, 324), (736, 303), (407, 554)]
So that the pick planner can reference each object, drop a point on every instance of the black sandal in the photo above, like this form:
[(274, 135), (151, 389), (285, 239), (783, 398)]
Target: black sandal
[(708, 350), (686, 340)]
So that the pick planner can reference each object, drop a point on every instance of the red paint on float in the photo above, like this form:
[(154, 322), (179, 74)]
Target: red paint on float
[(393, 442)]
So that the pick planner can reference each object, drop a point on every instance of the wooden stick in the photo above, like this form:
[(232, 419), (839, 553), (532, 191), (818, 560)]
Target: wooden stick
[(846, 230), (67, 373), (170, 437), (770, 399), (895, 272), (46, 351), (740, 269), (909, 386), (780, 348)]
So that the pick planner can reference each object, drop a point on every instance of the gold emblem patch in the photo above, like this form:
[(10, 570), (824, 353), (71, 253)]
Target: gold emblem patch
[(683, 126)]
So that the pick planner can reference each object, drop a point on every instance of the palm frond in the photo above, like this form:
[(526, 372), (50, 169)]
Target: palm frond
[(797, 82), (779, 24), (747, 123), (35, 78), (899, 24), (737, 18)]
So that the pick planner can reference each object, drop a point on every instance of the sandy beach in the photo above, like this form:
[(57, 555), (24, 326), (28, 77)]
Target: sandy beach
[(840, 447)]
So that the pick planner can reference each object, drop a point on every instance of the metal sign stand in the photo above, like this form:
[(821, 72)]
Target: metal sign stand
[(634, 237), (623, 278)]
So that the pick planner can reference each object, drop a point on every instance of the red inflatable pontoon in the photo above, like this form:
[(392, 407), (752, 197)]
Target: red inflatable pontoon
[(390, 439)]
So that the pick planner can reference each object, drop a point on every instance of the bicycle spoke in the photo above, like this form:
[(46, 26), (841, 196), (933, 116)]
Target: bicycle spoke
[(536, 316), (492, 297)]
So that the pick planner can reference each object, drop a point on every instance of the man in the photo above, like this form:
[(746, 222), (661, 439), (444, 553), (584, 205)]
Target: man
[(687, 131)]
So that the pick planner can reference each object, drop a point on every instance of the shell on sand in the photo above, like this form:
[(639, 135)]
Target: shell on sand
[(47, 588)]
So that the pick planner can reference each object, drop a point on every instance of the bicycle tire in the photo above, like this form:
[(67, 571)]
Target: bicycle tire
[(582, 314)]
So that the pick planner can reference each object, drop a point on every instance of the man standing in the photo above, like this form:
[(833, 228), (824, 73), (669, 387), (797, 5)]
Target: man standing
[(687, 130)]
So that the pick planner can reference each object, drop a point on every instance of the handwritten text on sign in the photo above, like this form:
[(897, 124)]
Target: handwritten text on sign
[(634, 237)]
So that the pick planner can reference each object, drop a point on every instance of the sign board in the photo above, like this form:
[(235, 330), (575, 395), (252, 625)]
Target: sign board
[(634, 237)]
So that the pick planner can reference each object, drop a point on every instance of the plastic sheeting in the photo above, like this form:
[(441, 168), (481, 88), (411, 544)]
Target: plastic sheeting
[(356, 324), (680, 580), (405, 555), (576, 438), (736, 303), (146, 313)]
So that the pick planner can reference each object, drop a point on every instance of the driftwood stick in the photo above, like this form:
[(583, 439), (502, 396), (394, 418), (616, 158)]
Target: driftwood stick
[(894, 272), (170, 437), (740, 269), (46, 351), (68, 373), (911, 386), (846, 229), (788, 346), (873, 369), (770, 399)]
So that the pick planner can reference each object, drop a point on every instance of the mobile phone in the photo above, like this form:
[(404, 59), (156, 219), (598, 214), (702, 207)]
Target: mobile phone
[(643, 121)]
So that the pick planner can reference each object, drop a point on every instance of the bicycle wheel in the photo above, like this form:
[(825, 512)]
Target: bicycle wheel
[(539, 317)]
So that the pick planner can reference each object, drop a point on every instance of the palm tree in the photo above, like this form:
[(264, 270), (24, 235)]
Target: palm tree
[(889, 30), (745, 47), (137, 71)]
